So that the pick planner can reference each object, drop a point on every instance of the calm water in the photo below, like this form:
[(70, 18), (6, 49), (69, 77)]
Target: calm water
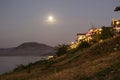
[(8, 63)]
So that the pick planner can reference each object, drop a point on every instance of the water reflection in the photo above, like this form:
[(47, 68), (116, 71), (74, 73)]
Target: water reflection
[(8, 63)]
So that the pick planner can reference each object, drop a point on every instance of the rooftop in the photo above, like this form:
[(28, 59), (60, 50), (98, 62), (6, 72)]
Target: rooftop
[(81, 33)]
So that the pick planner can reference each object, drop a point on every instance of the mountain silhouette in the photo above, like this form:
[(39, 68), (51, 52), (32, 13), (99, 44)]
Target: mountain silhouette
[(28, 49)]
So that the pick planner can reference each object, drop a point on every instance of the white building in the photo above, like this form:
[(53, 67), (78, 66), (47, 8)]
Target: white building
[(81, 36), (116, 25)]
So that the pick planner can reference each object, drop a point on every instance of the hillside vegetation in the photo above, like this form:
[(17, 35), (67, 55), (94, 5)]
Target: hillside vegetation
[(101, 61)]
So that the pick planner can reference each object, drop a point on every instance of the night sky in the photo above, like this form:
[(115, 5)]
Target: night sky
[(26, 20)]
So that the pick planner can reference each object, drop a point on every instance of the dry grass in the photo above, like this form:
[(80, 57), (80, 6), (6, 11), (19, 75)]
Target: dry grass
[(86, 69)]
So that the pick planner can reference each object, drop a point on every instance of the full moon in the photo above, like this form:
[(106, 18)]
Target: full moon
[(50, 18)]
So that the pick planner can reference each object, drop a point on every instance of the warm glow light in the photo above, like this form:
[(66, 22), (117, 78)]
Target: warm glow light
[(117, 22), (50, 18), (72, 42)]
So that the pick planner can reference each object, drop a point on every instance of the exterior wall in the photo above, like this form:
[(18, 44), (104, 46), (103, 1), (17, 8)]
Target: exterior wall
[(80, 37), (98, 31), (116, 25), (89, 34)]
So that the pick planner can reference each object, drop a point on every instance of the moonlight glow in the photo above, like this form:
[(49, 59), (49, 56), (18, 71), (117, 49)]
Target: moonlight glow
[(50, 18)]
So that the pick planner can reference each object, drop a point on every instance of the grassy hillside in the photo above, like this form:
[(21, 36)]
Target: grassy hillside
[(99, 62)]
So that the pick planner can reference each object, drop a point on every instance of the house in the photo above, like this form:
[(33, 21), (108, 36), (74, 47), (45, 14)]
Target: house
[(89, 34), (81, 36), (116, 25), (98, 30)]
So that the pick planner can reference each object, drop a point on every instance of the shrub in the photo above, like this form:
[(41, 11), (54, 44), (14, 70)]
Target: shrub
[(106, 33), (107, 46), (19, 67), (113, 69), (61, 49), (84, 44)]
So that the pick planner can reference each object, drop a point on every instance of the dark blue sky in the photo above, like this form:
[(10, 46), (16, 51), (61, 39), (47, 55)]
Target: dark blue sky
[(24, 20)]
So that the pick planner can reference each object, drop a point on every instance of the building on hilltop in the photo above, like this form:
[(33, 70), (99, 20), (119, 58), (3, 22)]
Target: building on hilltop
[(88, 36), (116, 25), (81, 36)]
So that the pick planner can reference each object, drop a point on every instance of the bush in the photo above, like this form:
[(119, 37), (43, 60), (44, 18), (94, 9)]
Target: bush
[(106, 33), (113, 69), (61, 49), (84, 44), (107, 46), (19, 67)]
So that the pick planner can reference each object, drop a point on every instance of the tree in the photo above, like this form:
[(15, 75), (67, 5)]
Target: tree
[(107, 32), (84, 44), (61, 49)]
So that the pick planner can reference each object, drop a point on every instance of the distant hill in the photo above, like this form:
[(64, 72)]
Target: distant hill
[(28, 49)]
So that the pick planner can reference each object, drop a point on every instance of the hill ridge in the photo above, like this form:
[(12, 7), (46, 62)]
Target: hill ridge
[(28, 48)]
